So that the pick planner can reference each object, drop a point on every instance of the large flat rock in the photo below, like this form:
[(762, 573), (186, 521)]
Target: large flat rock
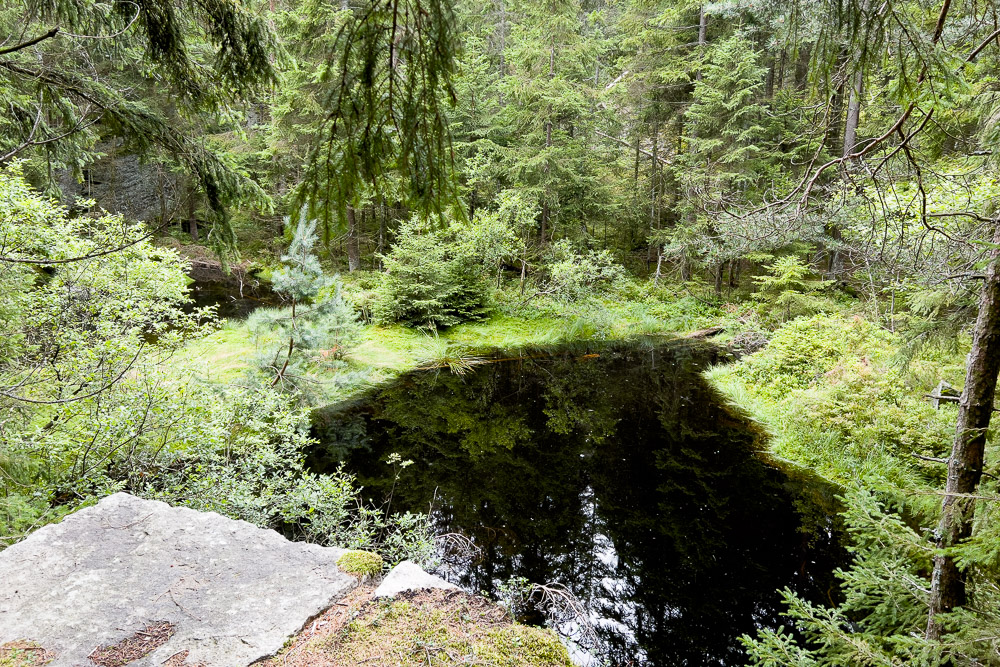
[(233, 592)]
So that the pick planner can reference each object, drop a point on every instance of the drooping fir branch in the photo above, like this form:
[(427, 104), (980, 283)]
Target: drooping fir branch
[(244, 46), (388, 87), (143, 130), (77, 81)]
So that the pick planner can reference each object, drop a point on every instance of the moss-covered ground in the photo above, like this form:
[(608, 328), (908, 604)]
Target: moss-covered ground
[(360, 563), (385, 351), (837, 395), (420, 629)]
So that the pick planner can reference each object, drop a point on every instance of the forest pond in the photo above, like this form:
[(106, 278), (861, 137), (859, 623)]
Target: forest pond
[(612, 469)]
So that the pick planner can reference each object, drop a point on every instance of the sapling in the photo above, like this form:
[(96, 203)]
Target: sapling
[(319, 325)]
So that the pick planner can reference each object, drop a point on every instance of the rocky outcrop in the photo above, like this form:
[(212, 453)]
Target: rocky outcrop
[(408, 576), (122, 183), (231, 592)]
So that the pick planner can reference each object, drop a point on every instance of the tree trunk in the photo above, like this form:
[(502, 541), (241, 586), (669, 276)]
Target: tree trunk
[(381, 233), (836, 267), (502, 46), (192, 216), (548, 144), (353, 242), (654, 245), (702, 35), (853, 115), (965, 467)]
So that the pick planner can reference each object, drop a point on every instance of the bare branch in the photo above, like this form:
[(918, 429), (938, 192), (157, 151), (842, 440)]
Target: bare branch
[(31, 42)]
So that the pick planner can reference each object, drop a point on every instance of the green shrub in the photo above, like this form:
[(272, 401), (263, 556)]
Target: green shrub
[(827, 390), (319, 327), (804, 350), (575, 274), (788, 289)]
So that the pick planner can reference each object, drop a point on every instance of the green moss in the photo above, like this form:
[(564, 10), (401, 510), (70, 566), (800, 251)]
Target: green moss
[(385, 352), (521, 645), (827, 391), (447, 630), (361, 563)]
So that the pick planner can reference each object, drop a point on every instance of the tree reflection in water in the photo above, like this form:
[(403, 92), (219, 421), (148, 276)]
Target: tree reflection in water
[(616, 471)]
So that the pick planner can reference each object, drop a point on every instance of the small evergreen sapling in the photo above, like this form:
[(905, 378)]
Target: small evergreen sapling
[(320, 325)]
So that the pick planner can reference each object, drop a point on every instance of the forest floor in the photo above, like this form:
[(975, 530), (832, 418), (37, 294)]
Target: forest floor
[(440, 627)]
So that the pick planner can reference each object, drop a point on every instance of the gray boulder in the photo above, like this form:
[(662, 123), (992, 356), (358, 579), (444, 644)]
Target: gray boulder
[(408, 576), (233, 592)]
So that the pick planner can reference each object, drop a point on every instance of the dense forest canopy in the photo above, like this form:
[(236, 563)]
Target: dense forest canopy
[(758, 163)]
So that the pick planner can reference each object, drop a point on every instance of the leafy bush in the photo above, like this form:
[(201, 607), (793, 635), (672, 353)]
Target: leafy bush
[(574, 274), (240, 451), (804, 350), (826, 388), (432, 279)]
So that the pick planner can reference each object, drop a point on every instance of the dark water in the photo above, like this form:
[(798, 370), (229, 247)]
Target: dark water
[(231, 301), (615, 471)]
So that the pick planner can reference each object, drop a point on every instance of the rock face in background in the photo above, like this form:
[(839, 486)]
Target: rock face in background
[(232, 592), (122, 184)]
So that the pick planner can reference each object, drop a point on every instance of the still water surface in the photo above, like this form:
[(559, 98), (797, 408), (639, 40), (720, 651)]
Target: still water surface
[(614, 470)]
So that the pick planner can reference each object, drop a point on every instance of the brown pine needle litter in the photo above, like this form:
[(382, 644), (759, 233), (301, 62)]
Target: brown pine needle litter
[(138, 645)]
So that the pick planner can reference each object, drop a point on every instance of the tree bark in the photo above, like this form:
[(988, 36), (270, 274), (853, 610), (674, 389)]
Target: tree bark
[(502, 47), (192, 216), (702, 35), (543, 230), (853, 115), (965, 467), (836, 268), (353, 242)]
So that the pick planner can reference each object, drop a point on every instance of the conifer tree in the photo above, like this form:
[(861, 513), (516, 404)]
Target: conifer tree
[(319, 321)]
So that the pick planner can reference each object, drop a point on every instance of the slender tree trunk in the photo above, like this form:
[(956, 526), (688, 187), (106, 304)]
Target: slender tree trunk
[(638, 136), (769, 80), (965, 467), (381, 233), (702, 35), (836, 267), (853, 115), (192, 215), (548, 144), (503, 45), (353, 241), (653, 191)]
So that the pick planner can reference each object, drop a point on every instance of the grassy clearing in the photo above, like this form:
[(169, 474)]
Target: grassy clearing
[(384, 352), (421, 629)]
